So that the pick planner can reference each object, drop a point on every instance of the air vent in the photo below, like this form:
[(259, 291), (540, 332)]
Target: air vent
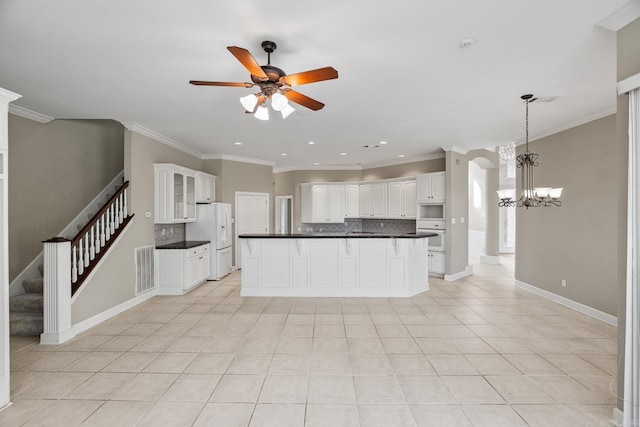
[(144, 269)]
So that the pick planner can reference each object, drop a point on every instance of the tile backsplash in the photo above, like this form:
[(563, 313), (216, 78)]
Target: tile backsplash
[(358, 224), (169, 233)]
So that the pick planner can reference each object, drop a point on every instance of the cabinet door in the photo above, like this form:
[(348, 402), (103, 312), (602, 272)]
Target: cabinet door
[(409, 201), (192, 271), (307, 206), (336, 203), (205, 187), (320, 203), (365, 202), (437, 187), (178, 197), (190, 198), (379, 196), (351, 200), (204, 266), (163, 198), (436, 262), (395, 200)]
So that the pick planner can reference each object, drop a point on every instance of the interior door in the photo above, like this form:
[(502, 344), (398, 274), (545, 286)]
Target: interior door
[(252, 217)]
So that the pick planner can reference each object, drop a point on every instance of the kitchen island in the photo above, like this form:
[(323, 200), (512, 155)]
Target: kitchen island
[(334, 265)]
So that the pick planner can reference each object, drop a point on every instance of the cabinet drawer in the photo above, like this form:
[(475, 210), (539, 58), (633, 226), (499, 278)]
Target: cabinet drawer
[(198, 250)]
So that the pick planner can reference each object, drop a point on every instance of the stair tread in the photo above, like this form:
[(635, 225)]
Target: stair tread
[(17, 315), (27, 297), (26, 324), (26, 303)]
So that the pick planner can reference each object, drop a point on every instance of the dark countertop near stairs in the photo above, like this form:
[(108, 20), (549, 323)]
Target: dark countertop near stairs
[(184, 244)]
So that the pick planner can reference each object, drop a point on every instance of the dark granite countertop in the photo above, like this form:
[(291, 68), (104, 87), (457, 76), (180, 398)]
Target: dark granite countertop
[(185, 244), (350, 235)]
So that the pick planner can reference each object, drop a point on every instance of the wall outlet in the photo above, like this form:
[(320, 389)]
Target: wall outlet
[(563, 283), (171, 230), (462, 220), (382, 224), (163, 231), (453, 220)]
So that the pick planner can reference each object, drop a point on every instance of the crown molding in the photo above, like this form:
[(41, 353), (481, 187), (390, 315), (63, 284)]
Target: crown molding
[(628, 84), (621, 17), (134, 127), (237, 159), (28, 114), (317, 168), (8, 96), (456, 150), (398, 161), (570, 124)]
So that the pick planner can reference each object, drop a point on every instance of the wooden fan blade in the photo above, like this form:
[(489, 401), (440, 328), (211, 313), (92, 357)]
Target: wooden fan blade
[(311, 76), (232, 84), (303, 100), (248, 61)]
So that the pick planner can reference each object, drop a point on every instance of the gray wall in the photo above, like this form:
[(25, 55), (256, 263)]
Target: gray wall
[(113, 282), (628, 65), (402, 170), (577, 242), (236, 176), (477, 215), (55, 170)]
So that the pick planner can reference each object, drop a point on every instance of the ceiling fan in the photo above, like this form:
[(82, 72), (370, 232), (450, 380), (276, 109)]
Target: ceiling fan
[(274, 83)]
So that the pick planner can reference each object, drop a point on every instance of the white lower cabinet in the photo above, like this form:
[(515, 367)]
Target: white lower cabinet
[(180, 270), (436, 263)]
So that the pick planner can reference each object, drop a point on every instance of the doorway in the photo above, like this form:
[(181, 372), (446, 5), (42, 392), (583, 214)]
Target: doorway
[(252, 217), (284, 209)]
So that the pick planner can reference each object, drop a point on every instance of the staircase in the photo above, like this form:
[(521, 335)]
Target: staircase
[(25, 311)]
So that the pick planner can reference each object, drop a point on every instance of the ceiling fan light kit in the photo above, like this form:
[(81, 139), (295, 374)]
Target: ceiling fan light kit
[(275, 85), (530, 196)]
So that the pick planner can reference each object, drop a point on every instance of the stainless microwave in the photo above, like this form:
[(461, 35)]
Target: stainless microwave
[(431, 211)]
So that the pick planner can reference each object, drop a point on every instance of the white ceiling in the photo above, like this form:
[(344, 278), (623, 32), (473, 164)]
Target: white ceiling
[(402, 76)]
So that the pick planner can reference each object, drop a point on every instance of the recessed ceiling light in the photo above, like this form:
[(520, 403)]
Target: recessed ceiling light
[(383, 143), (465, 43), (283, 154), (316, 164), (343, 154), (400, 155), (310, 142), (237, 143)]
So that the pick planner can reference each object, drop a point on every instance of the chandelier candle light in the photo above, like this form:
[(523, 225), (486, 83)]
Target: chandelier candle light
[(530, 197)]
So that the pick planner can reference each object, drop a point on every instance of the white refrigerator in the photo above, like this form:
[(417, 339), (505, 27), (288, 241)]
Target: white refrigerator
[(213, 223)]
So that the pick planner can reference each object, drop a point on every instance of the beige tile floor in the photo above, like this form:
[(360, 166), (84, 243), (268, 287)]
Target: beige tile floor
[(475, 352)]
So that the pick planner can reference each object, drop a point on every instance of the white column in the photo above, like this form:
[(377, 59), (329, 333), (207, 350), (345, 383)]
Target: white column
[(57, 292), (5, 98)]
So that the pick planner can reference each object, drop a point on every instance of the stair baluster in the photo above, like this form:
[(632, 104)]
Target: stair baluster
[(74, 266), (97, 231), (80, 261), (86, 250)]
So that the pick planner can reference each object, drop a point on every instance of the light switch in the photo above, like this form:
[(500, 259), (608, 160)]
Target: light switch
[(453, 220), (461, 220)]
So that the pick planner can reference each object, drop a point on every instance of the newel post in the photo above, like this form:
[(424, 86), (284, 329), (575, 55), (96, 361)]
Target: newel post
[(57, 292)]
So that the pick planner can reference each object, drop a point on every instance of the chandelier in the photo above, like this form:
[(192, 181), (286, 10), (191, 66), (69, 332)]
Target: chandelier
[(530, 196)]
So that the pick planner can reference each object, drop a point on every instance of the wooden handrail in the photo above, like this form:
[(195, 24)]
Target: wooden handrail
[(96, 260), (98, 214)]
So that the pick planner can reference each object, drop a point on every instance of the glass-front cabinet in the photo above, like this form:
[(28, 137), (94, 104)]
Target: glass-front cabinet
[(175, 194)]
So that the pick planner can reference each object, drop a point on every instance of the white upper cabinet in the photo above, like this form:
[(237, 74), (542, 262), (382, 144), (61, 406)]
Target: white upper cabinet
[(205, 188), (175, 194), (402, 199), (431, 187), (323, 202), (379, 196), (352, 200), (373, 200), (365, 202)]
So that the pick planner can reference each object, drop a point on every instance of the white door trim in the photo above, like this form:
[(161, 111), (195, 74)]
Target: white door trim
[(236, 216)]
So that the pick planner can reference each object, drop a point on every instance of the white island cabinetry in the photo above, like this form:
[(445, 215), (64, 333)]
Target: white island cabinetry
[(334, 267)]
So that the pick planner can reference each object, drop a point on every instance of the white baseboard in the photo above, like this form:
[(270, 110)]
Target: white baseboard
[(574, 305), (468, 271), (57, 338), (108, 314), (618, 417), (490, 259), (5, 396)]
